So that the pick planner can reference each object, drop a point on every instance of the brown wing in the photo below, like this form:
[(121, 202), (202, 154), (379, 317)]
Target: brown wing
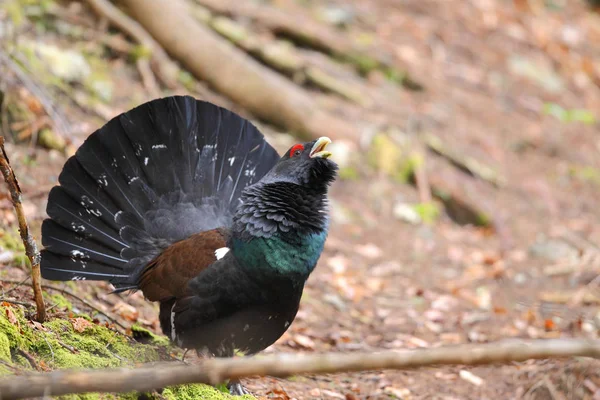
[(168, 274)]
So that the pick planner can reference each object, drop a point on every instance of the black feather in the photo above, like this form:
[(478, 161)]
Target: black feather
[(150, 177)]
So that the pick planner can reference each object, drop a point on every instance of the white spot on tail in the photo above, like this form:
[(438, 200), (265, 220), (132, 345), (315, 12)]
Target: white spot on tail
[(159, 146), (95, 213), (77, 253), (135, 178), (220, 253), (145, 160), (77, 227), (231, 160), (246, 327), (173, 334), (102, 180)]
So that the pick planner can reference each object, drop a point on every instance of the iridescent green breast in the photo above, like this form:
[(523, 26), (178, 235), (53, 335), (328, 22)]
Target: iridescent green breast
[(280, 254)]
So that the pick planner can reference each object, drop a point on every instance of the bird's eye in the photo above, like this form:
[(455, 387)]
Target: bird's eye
[(296, 150)]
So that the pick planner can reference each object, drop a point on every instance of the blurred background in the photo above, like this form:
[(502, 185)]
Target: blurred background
[(468, 139)]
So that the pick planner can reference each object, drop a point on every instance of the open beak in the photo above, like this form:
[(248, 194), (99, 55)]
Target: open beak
[(318, 149)]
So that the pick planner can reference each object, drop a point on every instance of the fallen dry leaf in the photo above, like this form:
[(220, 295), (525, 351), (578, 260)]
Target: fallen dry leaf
[(36, 325), (126, 311), (338, 264), (11, 316), (278, 394), (369, 250), (80, 324), (304, 341), (470, 377), (401, 393), (332, 394), (549, 324)]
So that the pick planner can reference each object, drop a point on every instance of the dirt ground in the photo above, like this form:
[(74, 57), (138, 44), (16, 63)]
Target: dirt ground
[(490, 70)]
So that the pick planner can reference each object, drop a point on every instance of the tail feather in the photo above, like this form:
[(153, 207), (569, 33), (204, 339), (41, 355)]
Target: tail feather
[(112, 175), (150, 177), (61, 268), (78, 217), (83, 189), (62, 241)]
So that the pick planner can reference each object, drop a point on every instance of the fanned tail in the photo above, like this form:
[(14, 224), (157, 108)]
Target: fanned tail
[(150, 177)]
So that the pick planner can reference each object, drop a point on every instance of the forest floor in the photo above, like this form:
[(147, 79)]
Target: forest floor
[(514, 88)]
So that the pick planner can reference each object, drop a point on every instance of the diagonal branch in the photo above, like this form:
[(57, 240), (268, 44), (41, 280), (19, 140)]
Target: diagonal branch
[(215, 371), (165, 68), (30, 245)]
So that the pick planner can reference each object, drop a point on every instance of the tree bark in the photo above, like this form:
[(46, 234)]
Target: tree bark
[(30, 246), (215, 371)]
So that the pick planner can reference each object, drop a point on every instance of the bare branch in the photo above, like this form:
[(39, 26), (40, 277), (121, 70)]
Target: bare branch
[(28, 241), (215, 371)]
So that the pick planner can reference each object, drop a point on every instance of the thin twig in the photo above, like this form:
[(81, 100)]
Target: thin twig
[(79, 298), (50, 347), (66, 346), (16, 286), (29, 358), (216, 371), (30, 246), (20, 303)]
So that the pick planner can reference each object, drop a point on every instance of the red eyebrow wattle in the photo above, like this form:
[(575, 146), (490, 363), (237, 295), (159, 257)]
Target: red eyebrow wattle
[(296, 147)]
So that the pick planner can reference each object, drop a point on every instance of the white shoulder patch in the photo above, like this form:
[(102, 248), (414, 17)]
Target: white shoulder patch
[(173, 333), (220, 253)]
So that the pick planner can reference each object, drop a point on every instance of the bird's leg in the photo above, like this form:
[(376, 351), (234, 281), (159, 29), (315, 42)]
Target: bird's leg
[(236, 388), (183, 356)]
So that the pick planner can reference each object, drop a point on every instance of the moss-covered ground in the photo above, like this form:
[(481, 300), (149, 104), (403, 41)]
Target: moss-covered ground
[(75, 341)]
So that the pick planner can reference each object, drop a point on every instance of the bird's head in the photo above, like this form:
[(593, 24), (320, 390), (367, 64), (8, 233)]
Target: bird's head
[(291, 197), (305, 164)]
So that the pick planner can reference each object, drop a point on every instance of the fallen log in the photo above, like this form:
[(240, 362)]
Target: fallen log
[(216, 371), (304, 30), (232, 72)]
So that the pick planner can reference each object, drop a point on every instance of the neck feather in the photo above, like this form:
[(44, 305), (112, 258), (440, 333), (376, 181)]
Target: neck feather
[(279, 231), (280, 208)]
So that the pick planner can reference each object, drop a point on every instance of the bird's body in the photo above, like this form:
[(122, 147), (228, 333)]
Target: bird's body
[(186, 202)]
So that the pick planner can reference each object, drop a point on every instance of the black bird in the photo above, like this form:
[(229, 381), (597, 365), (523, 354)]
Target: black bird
[(188, 203)]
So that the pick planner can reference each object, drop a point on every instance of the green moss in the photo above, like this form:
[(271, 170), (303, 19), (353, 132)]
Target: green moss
[(348, 174), (140, 52), (57, 345), (49, 139), (4, 370), (17, 339), (586, 174), (11, 241), (385, 154), (145, 336), (429, 212), (364, 64), (60, 302), (187, 80), (4, 347), (198, 392), (566, 116), (483, 219), (407, 167)]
